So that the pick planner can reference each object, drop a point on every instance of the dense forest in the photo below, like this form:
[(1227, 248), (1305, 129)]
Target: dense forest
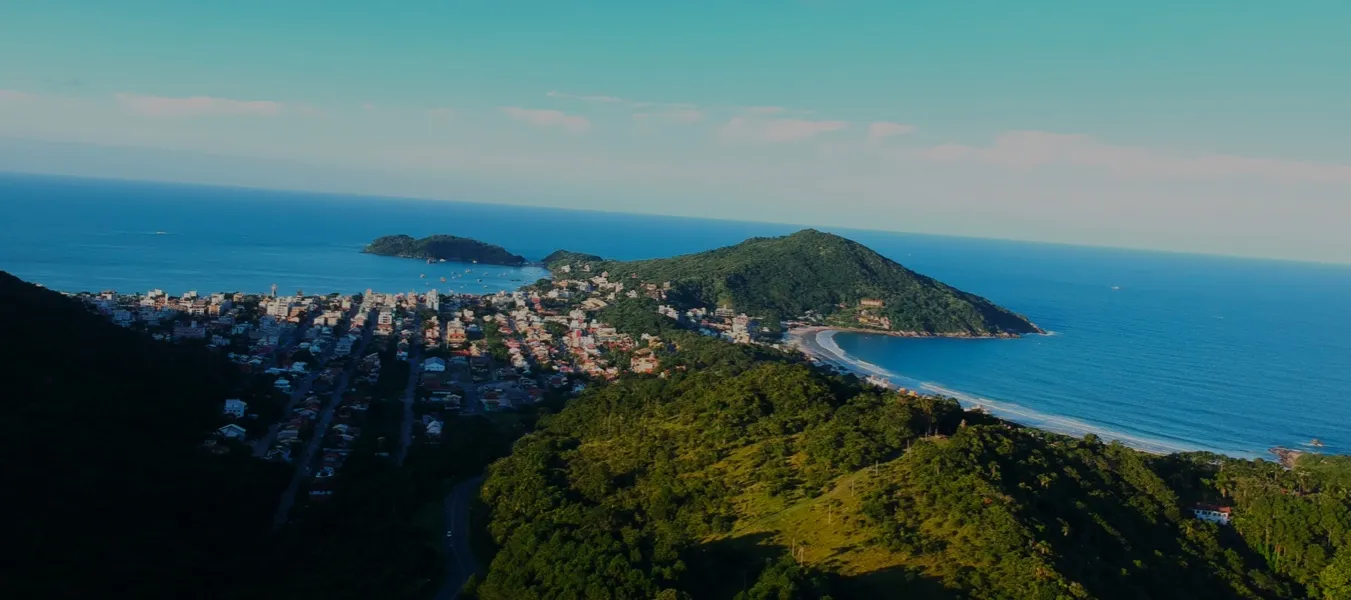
[(741, 473), (788, 276), (447, 247)]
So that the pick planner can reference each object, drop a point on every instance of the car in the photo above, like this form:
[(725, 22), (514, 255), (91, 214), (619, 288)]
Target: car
[(450, 533)]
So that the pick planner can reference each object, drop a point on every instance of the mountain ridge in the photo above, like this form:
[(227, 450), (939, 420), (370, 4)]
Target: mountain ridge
[(810, 271)]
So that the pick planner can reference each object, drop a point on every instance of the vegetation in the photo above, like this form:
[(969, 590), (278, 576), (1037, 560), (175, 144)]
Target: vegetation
[(447, 247), (811, 271), (741, 473), (562, 257)]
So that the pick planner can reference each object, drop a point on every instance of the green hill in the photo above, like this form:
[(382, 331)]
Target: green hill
[(447, 247), (785, 277), (744, 474)]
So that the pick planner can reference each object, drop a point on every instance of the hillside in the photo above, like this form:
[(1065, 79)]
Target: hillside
[(101, 431), (444, 247), (785, 277), (745, 474)]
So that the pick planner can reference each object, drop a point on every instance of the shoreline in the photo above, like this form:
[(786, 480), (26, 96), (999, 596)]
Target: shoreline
[(807, 340)]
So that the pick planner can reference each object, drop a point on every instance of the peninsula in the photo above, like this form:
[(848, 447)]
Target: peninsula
[(819, 277), (444, 247)]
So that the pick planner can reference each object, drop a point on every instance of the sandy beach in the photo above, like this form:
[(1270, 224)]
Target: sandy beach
[(817, 343)]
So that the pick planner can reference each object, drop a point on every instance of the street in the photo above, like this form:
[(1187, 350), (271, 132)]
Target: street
[(288, 497), (264, 443), (414, 368), (460, 562)]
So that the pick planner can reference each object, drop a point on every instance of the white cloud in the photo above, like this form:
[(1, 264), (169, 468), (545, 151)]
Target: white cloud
[(776, 130), (548, 118), (766, 110), (674, 116), (1028, 149), (587, 97), (163, 106), (884, 129), (16, 96)]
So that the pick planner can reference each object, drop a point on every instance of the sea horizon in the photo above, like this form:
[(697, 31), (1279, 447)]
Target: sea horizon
[(1182, 351), (795, 226)]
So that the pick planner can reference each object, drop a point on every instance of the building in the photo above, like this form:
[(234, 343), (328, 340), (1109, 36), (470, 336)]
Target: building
[(434, 365), (231, 432), (1212, 513), (871, 303), (235, 408)]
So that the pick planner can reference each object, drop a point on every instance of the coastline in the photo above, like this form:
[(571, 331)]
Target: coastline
[(817, 344)]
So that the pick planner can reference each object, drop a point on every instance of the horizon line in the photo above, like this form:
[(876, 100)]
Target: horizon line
[(428, 198)]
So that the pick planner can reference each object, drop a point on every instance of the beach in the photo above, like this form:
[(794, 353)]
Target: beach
[(818, 344)]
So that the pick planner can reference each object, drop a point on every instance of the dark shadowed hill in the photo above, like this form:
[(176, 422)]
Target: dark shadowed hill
[(108, 487)]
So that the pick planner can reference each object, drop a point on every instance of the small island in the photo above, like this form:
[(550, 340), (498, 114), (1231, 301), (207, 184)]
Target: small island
[(444, 247)]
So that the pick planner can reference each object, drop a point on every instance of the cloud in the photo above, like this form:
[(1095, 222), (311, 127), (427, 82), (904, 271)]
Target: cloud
[(884, 129), (1029, 149), (16, 96), (776, 130), (587, 98), (766, 110), (162, 106), (548, 118), (675, 116)]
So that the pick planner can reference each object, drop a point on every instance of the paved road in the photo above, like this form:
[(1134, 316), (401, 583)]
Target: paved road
[(264, 444), (414, 368), (288, 498), (460, 563)]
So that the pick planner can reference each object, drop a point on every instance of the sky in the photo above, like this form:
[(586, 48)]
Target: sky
[(1201, 126)]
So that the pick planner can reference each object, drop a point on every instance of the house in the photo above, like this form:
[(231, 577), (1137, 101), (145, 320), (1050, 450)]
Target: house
[(235, 408), (231, 432), (1212, 513), (434, 365)]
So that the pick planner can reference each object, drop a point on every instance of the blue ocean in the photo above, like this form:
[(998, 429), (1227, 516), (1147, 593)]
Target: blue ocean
[(1162, 351)]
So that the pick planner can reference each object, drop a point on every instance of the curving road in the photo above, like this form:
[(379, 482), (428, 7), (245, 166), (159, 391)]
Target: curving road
[(460, 563)]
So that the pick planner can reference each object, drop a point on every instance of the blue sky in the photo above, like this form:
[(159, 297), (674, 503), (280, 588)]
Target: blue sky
[(1200, 126)]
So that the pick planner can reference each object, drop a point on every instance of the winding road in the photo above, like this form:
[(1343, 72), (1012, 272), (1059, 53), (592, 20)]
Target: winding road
[(460, 563)]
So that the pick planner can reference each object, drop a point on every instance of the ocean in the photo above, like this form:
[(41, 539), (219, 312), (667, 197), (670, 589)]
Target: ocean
[(1162, 351)]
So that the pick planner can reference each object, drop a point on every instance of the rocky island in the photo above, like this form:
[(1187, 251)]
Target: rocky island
[(444, 247), (826, 278)]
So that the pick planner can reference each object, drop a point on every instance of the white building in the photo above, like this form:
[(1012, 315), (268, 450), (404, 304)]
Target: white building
[(1213, 514), (236, 408), (232, 432)]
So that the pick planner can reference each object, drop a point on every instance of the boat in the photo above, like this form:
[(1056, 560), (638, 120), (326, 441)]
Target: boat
[(422, 275), (429, 261), (1116, 287), (1316, 443), (161, 233), (443, 280)]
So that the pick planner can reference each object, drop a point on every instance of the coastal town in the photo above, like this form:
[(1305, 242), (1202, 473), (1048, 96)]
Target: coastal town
[(379, 373)]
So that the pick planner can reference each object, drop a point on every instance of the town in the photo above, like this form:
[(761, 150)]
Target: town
[(381, 372)]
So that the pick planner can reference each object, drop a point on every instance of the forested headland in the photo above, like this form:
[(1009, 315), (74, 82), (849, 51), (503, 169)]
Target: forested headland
[(813, 273)]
